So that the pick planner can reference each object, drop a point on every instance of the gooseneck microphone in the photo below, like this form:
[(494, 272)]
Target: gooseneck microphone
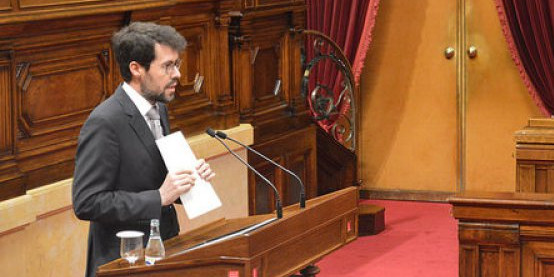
[(278, 206), (302, 188)]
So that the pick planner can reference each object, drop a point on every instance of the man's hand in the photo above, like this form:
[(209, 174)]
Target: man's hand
[(204, 170), (175, 184)]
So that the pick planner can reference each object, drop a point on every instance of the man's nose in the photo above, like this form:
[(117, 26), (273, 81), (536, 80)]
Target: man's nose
[(176, 73)]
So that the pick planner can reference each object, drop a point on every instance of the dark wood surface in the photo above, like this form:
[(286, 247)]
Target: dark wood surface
[(295, 151), (336, 165), (505, 234), (535, 156), (281, 248), (56, 65)]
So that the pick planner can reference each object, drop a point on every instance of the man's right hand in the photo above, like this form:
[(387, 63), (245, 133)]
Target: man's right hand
[(175, 184)]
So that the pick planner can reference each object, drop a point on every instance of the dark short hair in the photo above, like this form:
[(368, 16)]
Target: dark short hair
[(136, 41)]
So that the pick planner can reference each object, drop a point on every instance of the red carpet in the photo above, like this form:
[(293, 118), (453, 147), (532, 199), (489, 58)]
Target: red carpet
[(420, 239)]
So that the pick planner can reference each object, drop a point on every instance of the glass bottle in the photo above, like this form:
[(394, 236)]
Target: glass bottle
[(155, 250)]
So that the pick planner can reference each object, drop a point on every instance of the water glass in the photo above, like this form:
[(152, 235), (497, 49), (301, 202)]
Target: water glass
[(131, 245)]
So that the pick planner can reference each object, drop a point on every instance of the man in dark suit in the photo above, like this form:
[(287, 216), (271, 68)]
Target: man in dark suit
[(120, 180)]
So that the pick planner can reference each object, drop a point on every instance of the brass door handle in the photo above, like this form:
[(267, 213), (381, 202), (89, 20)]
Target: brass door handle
[(449, 52), (472, 52)]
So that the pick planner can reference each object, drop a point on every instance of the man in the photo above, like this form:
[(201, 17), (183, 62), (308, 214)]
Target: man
[(120, 180)]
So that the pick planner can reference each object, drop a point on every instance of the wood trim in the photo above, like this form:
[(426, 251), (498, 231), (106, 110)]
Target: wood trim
[(52, 199), (78, 9), (417, 195), (204, 146)]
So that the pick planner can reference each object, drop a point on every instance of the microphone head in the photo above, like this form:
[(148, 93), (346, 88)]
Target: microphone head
[(210, 132), (221, 134)]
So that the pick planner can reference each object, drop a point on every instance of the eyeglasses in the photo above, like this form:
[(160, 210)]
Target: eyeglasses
[(170, 66)]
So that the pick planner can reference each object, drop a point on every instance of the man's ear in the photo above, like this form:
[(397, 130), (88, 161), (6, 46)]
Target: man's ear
[(136, 69)]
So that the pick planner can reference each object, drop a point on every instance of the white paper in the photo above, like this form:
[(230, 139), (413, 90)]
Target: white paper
[(177, 155)]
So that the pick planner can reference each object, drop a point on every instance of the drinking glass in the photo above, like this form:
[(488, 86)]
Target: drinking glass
[(131, 245)]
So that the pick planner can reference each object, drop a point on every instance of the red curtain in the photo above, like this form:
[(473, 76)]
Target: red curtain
[(349, 23), (528, 28)]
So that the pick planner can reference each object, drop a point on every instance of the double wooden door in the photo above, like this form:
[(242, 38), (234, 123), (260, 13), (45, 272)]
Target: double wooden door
[(438, 122)]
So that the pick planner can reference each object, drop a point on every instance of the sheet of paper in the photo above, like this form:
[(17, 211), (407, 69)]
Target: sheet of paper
[(178, 155)]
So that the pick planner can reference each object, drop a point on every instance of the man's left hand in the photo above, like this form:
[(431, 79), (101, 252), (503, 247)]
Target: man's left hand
[(204, 170)]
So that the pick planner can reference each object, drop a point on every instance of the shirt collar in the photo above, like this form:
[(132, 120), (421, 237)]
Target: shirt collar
[(142, 104)]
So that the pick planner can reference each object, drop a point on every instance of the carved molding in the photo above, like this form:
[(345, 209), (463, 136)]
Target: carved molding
[(58, 94), (6, 114)]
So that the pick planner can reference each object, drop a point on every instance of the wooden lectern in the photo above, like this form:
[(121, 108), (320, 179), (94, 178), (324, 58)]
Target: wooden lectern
[(271, 247)]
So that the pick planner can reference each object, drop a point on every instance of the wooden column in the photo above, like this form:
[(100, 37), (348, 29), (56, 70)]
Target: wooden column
[(10, 177)]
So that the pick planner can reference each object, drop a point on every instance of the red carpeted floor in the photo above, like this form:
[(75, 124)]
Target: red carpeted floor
[(420, 239)]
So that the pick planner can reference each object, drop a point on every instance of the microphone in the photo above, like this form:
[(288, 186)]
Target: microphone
[(278, 206), (302, 188)]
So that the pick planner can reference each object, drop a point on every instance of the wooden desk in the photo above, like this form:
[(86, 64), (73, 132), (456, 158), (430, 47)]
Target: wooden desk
[(505, 234), (280, 248)]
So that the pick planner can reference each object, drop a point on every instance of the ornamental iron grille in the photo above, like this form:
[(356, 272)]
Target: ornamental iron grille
[(328, 86)]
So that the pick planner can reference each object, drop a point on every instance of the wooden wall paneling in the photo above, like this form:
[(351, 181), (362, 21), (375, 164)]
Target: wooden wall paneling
[(300, 162), (268, 48), (468, 260), (295, 151), (296, 101), (22, 11), (12, 182), (203, 97), (525, 175), (489, 248), (58, 70), (273, 94), (225, 98), (549, 182), (538, 259), (5, 5), (261, 199), (61, 67), (336, 165), (242, 74), (60, 79), (535, 156), (539, 181)]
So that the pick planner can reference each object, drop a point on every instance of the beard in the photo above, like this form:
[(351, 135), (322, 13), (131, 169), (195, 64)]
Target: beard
[(158, 96)]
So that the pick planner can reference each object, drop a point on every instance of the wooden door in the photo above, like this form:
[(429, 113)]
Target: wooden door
[(408, 130), (435, 124), (496, 102)]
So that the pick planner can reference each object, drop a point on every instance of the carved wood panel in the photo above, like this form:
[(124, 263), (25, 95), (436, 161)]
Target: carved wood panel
[(5, 5), (538, 259), (261, 48), (488, 249), (299, 163), (6, 134), (56, 89), (295, 151), (535, 176), (203, 99), (266, 70), (56, 66), (11, 179), (261, 195), (336, 165)]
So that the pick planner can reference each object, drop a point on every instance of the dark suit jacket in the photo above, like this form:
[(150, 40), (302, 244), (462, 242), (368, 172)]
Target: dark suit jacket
[(118, 171)]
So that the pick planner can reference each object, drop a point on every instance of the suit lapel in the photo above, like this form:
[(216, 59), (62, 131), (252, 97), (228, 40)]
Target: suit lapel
[(137, 122)]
